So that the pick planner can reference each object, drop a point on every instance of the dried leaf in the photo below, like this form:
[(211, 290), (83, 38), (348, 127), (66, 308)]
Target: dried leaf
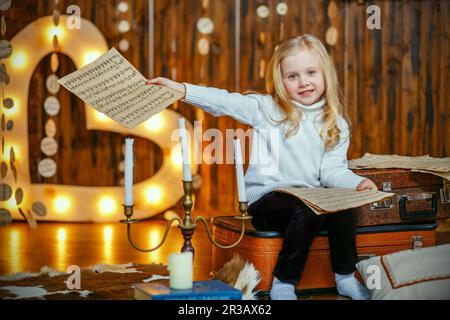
[(5, 49), (5, 191), (5, 4), (4, 76), (22, 214), (3, 169), (55, 42), (10, 125), (47, 167), (12, 155), (3, 26), (14, 171), (262, 38), (332, 9), (5, 217), (52, 83), (54, 62), (56, 17), (8, 103), (19, 196), (331, 36), (31, 220), (50, 128), (39, 209)]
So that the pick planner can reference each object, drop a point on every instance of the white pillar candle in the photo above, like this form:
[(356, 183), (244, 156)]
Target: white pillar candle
[(184, 150), (180, 270), (242, 197), (128, 178)]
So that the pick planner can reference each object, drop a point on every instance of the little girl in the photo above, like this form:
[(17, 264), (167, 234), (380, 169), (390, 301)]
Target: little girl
[(303, 106)]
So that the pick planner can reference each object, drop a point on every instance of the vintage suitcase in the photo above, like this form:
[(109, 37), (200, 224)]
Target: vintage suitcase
[(418, 197), (262, 247)]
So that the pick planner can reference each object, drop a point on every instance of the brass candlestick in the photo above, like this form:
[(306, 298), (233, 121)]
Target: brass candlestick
[(186, 225)]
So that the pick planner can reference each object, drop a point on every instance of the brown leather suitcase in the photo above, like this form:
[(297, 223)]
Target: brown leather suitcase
[(418, 197), (262, 247)]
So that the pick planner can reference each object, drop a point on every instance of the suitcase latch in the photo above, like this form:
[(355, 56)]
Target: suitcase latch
[(384, 204), (417, 242), (445, 192)]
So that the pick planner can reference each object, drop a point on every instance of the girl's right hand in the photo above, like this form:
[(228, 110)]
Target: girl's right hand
[(168, 83)]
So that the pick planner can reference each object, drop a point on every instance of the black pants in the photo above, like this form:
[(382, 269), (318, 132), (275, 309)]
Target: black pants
[(286, 213)]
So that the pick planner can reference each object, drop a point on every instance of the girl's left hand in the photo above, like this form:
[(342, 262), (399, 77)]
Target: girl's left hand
[(366, 184)]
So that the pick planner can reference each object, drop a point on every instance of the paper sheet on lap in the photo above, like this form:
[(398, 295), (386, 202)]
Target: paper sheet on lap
[(112, 85), (329, 200)]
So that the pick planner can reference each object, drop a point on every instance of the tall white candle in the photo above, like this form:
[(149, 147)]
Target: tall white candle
[(184, 150), (128, 178), (242, 197), (180, 270)]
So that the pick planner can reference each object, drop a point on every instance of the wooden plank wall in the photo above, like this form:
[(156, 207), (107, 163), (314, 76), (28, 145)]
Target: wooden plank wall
[(395, 80)]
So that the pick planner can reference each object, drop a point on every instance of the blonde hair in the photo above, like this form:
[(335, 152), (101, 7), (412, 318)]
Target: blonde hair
[(330, 132)]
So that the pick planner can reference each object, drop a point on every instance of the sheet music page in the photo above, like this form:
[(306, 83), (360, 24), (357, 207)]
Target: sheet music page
[(430, 164), (328, 200), (445, 175), (113, 86)]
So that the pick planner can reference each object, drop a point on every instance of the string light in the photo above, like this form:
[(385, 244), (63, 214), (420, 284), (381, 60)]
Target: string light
[(61, 204), (19, 59), (55, 31), (107, 205), (90, 55), (61, 234), (176, 156), (101, 117), (156, 123), (153, 195)]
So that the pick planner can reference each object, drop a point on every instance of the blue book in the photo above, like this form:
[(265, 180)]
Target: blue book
[(201, 290)]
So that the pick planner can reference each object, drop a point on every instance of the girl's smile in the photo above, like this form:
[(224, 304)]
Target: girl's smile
[(302, 77)]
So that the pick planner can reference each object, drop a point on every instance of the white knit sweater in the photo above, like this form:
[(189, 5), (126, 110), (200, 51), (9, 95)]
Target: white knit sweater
[(276, 161)]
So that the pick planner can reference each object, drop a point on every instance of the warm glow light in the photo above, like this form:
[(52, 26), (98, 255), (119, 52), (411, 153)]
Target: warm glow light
[(107, 234), (61, 237), (107, 205), (107, 244), (155, 123), (100, 116), (154, 239), (90, 56), (153, 195), (61, 204), (176, 157), (14, 252), (61, 234), (55, 31), (19, 59), (11, 204)]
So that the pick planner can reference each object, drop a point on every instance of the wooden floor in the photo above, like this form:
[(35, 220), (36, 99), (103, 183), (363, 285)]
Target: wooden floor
[(60, 245)]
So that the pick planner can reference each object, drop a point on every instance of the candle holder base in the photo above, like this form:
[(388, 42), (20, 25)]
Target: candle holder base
[(129, 221), (246, 217)]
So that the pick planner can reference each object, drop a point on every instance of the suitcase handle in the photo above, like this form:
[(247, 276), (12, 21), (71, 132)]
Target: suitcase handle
[(405, 215)]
